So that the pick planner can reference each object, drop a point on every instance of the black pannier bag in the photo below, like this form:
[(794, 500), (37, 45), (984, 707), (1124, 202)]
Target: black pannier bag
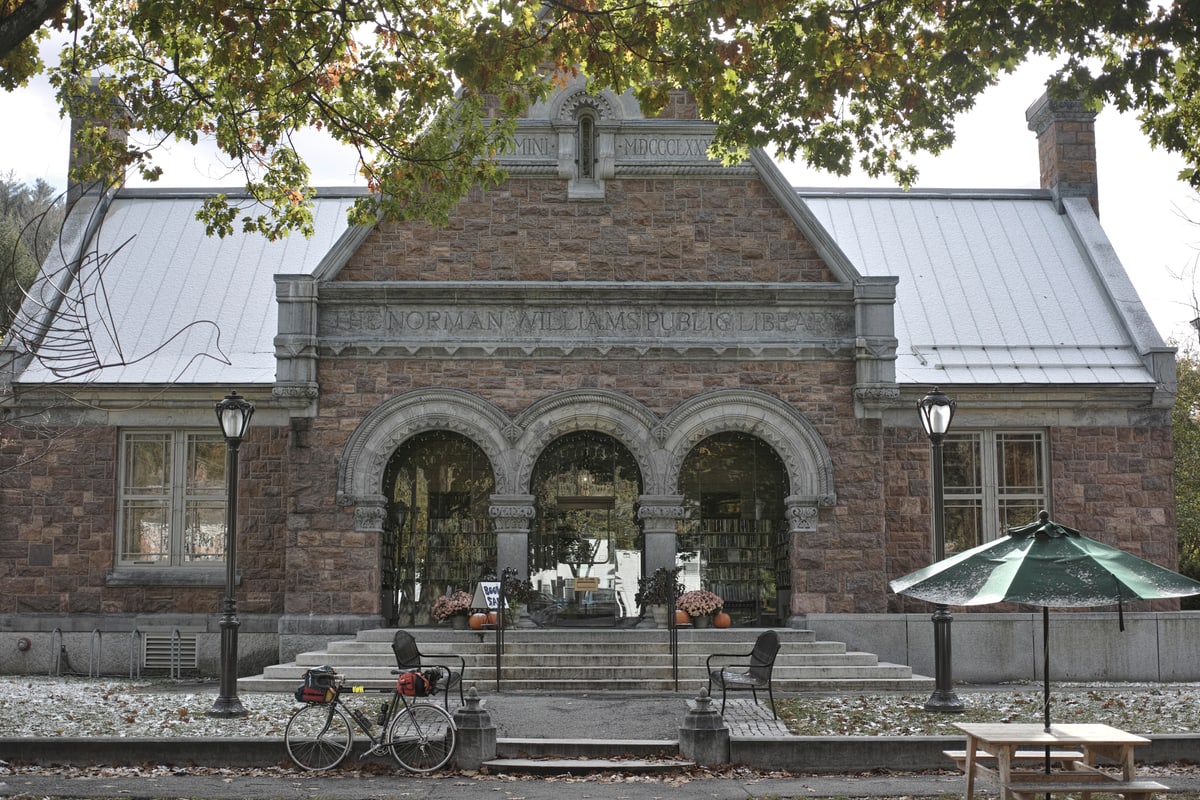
[(319, 683)]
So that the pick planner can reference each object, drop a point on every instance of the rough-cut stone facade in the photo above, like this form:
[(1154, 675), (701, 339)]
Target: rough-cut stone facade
[(311, 494), (58, 537), (645, 230)]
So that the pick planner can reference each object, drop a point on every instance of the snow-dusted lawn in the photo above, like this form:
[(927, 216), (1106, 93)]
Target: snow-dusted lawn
[(45, 706)]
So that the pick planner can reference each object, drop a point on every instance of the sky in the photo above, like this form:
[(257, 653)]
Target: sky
[(1145, 210)]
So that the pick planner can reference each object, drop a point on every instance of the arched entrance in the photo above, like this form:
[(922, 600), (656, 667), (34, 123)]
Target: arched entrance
[(585, 546), (437, 535), (734, 541)]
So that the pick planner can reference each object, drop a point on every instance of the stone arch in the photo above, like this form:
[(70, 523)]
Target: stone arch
[(809, 467), (567, 104), (626, 420), (366, 454)]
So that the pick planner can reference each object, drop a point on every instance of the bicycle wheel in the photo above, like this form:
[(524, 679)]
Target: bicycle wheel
[(422, 737), (318, 736)]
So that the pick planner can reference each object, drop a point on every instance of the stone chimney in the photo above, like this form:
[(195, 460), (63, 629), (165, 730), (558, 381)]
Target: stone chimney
[(1066, 133), (113, 118)]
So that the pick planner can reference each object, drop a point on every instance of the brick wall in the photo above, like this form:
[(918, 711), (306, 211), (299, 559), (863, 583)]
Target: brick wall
[(57, 533), (1113, 484), (335, 569), (645, 230)]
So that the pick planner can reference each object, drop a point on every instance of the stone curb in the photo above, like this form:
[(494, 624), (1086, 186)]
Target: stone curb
[(813, 754)]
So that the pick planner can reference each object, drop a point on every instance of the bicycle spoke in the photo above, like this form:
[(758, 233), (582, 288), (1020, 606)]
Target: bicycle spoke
[(422, 738), (318, 737)]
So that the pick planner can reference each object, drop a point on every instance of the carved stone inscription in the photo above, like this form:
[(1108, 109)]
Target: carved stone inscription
[(642, 147), (537, 146), (532, 324), (628, 147)]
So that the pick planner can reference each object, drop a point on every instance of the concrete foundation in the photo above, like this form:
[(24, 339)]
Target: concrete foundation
[(995, 648)]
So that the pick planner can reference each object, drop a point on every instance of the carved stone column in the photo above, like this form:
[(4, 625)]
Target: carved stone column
[(511, 517), (369, 513), (802, 514), (660, 515)]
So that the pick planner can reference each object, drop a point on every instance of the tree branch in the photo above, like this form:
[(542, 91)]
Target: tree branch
[(25, 20)]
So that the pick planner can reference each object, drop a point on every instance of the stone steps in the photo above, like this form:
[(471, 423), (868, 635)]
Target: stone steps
[(578, 660)]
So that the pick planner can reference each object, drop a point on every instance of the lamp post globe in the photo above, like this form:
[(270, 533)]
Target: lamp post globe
[(233, 415), (937, 412)]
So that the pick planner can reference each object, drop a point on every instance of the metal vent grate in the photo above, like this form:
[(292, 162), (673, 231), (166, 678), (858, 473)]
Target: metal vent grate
[(165, 651)]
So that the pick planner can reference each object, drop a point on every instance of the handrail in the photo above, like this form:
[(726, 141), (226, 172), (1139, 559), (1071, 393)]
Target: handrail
[(134, 636), (56, 653), (501, 622), (673, 635), (96, 653), (176, 671)]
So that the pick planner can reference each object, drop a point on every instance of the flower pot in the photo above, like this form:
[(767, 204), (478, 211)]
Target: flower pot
[(459, 622), (702, 621), (659, 614)]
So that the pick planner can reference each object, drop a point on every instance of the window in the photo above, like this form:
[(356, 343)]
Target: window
[(172, 508), (587, 147), (993, 480)]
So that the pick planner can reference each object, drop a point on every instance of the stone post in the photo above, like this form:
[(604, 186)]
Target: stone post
[(802, 516), (512, 514), (476, 734), (703, 737), (660, 516)]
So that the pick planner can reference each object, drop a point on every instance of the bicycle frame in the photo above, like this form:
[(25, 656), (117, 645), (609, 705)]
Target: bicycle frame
[(419, 736)]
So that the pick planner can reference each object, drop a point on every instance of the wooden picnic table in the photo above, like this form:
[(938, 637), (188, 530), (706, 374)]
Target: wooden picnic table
[(1001, 751)]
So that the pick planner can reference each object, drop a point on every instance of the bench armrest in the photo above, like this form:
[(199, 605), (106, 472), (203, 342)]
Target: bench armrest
[(462, 662), (708, 661)]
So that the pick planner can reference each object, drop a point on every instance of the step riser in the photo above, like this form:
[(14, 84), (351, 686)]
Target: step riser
[(599, 660), (551, 666)]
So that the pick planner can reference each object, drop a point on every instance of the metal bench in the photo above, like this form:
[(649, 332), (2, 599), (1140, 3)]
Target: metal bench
[(755, 676), (409, 656)]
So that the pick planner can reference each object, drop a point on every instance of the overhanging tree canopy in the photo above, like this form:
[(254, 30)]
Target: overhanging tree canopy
[(428, 90)]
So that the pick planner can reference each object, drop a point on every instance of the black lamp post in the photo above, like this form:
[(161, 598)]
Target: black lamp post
[(937, 410), (234, 414)]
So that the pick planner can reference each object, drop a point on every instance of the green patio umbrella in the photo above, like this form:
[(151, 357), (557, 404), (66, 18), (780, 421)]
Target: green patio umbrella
[(1049, 565)]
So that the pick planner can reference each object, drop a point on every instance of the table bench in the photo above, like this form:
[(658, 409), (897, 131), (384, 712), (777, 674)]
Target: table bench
[(1063, 758), (1031, 787), (1011, 754)]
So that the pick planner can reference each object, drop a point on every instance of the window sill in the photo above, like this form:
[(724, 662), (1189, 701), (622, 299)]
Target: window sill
[(166, 576)]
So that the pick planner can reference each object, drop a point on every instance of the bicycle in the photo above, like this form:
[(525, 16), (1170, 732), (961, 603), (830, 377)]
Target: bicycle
[(420, 736)]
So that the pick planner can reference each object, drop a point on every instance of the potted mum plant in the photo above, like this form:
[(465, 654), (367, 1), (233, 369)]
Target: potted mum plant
[(656, 592), (517, 594), (454, 607), (700, 605)]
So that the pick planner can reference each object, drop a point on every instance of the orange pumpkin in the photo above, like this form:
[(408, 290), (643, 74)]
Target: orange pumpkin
[(682, 617), (722, 620), (478, 620), (491, 618)]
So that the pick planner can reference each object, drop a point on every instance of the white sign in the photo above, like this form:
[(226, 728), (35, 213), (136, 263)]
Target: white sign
[(487, 595)]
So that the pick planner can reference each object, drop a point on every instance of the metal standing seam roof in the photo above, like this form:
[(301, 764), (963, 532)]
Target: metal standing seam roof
[(165, 303), (992, 290)]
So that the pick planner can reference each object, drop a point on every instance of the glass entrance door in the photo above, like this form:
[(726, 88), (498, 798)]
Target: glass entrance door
[(438, 537), (585, 548)]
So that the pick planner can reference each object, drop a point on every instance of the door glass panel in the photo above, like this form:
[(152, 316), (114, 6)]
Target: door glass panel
[(734, 542), (437, 535), (585, 546)]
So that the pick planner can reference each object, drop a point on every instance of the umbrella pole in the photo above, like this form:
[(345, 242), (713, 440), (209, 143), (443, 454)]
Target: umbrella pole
[(1046, 666)]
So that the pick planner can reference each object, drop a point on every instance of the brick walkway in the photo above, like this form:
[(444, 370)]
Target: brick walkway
[(746, 719)]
